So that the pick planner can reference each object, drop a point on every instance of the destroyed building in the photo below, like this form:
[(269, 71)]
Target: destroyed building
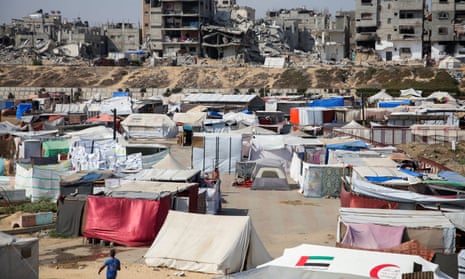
[(394, 29)]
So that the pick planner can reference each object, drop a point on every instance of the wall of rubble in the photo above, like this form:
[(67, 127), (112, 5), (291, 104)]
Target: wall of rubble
[(89, 93)]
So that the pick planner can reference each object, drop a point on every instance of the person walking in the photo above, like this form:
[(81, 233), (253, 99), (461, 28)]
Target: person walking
[(112, 264)]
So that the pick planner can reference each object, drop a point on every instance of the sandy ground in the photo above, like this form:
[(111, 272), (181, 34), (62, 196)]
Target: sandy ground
[(282, 219)]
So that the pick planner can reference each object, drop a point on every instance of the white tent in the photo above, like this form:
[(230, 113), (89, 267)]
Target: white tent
[(207, 243), (190, 118), (355, 262), (149, 125), (380, 96), (19, 257), (407, 93), (169, 163), (449, 63)]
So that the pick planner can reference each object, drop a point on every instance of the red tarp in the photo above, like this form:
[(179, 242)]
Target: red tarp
[(130, 222)]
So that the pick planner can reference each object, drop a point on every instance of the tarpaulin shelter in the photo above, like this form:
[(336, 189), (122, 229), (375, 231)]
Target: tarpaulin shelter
[(393, 104), (70, 215), (269, 175), (149, 125), (355, 262), (22, 109), (41, 181), (19, 257), (314, 116), (327, 103), (55, 147), (207, 243), (319, 181), (433, 229), (130, 222), (216, 150), (353, 146)]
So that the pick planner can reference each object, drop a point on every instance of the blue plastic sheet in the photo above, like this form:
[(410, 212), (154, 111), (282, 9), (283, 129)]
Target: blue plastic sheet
[(22, 109)]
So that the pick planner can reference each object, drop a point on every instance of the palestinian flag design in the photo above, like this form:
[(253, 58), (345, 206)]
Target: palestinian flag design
[(316, 262)]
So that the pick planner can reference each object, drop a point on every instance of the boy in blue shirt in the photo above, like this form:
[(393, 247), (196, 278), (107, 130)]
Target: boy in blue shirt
[(112, 264)]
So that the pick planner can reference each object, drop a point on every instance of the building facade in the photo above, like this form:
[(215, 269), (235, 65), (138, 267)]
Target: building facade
[(393, 28), (175, 26), (447, 28)]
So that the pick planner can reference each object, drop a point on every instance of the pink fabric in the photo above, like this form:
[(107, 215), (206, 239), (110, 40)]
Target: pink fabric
[(131, 222), (372, 236)]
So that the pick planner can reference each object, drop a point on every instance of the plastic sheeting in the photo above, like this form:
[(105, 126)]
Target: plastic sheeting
[(207, 243), (373, 236), (327, 103), (14, 263), (321, 180), (22, 109), (221, 150), (41, 181), (130, 222)]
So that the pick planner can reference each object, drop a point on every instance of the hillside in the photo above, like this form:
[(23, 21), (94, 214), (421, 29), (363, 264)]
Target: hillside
[(211, 77)]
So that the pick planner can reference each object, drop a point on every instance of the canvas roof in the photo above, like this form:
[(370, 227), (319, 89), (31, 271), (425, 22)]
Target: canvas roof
[(355, 262), (70, 108), (380, 96), (145, 189), (207, 243), (190, 118), (398, 217), (169, 163), (253, 130), (147, 120), (154, 174)]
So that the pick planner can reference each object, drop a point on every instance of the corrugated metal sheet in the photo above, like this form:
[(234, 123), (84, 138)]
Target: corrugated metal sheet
[(217, 98)]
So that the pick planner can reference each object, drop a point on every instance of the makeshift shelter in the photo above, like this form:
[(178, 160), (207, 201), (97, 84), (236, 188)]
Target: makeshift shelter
[(353, 146), (194, 119), (320, 180), (380, 96), (267, 272), (394, 103), (207, 243), (130, 222), (55, 147), (327, 103), (70, 215), (269, 175), (19, 257), (315, 116), (222, 151), (149, 125), (354, 262), (41, 181), (432, 229), (450, 63), (408, 93)]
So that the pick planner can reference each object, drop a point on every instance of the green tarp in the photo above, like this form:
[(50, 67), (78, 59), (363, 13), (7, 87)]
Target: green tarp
[(55, 147)]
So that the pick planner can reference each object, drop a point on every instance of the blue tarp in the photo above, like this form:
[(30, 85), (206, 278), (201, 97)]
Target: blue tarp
[(331, 102), (353, 145), (120, 94), (381, 179), (246, 111), (452, 176), (22, 109), (393, 104), (214, 114)]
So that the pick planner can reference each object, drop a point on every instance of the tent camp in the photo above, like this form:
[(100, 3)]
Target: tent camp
[(19, 257), (355, 262), (207, 243), (269, 175)]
